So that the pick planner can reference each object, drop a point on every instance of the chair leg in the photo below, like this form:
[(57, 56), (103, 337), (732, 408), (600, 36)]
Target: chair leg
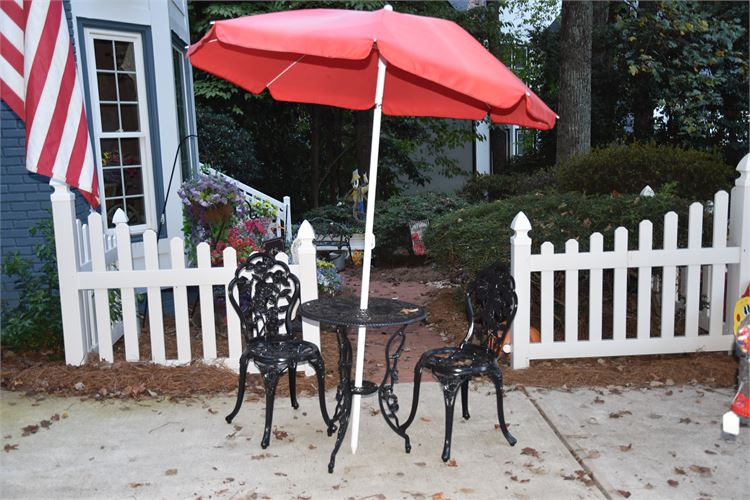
[(414, 399), (465, 399), (497, 378), (293, 384), (320, 373), (450, 387), (244, 360), (271, 378)]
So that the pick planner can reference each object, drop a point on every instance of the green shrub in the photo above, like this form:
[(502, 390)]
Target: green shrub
[(35, 323), (628, 168), (469, 239), (393, 215), (341, 213), (228, 147), (479, 188)]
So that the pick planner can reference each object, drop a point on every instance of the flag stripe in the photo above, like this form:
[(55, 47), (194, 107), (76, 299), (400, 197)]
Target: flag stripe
[(38, 80), (42, 60), (59, 116), (11, 98), (11, 54)]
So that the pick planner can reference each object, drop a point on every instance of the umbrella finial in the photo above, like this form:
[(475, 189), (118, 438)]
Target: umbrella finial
[(388, 7)]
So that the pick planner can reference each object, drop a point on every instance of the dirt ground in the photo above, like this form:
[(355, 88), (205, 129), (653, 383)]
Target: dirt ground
[(446, 325)]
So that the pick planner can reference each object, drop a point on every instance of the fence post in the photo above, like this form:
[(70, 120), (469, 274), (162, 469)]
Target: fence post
[(66, 248), (308, 277), (738, 275), (520, 268), (288, 218)]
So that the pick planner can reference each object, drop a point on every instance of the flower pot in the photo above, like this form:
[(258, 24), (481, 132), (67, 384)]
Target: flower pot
[(338, 260), (215, 214)]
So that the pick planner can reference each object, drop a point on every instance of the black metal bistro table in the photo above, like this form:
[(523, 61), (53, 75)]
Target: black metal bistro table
[(344, 312)]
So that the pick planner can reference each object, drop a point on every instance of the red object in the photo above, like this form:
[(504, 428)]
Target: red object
[(329, 56), (741, 405), (39, 83)]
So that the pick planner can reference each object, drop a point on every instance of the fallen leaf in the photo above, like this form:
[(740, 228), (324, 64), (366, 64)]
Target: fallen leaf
[(279, 434), (530, 451), (703, 471), (672, 483), (452, 463), (438, 496), (466, 490), (212, 411), (29, 430), (598, 400), (420, 464), (311, 446), (626, 448), (136, 485), (45, 424), (709, 452), (685, 420), (680, 471), (619, 414), (594, 454), (624, 493), (170, 472), (279, 474), (10, 447), (425, 419), (55, 417)]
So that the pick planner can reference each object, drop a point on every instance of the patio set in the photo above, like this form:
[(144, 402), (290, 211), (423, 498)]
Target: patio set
[(400, 65), (266, 297)]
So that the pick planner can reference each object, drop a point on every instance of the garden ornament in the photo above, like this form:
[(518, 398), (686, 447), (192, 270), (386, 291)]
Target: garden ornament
[(357, 194), (397, 64), (740, 409)]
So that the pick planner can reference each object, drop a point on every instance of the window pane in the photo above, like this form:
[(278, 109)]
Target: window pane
[(129, 113), (131, 152), (133, 181), (110, 120), (107, 89), (112, 206), (126, 83), (125, 55), (112, 182), (110, 152), (103, 54), (136, 211)]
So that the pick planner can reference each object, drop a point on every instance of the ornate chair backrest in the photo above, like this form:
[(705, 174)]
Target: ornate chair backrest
[(269, 296), (493, 292)]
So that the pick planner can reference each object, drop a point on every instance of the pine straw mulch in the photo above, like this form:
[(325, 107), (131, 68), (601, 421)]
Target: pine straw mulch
[(43, 373)]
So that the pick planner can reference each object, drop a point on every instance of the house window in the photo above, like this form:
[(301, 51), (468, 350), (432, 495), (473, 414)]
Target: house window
[(183, 128), (120, 117)]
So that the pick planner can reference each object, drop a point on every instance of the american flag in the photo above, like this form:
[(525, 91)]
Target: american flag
[(38, 80)]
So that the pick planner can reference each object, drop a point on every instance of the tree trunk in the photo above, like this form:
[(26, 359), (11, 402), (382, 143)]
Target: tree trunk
[(574, 126), (315, 152)]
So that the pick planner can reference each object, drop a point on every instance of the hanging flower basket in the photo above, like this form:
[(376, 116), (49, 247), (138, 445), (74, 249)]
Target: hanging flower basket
[(214, 214)]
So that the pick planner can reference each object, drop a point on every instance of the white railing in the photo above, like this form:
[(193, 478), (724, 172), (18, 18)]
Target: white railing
[(692, 283), (91, 263), (283, 208)]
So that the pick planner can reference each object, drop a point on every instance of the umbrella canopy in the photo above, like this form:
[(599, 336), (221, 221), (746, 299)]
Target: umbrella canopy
[(400, 64), (329, 56)]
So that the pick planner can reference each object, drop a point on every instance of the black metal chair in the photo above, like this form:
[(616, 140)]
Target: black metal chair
[(269, 297), (493, 290)]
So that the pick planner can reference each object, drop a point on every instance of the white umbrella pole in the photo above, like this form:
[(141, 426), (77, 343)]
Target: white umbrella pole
[(369, 244)]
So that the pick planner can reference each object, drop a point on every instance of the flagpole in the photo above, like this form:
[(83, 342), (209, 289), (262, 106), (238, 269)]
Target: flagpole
[(369, 242)]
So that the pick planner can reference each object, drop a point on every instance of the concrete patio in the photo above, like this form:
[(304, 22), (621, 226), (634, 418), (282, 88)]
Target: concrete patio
[(584, 443)]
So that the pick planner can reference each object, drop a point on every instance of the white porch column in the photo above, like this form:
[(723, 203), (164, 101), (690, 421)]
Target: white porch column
[(520, 268), (66, 247), (482, 147), (738, 275)]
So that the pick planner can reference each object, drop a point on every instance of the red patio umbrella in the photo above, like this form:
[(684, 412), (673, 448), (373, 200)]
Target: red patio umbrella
[(400, 64)]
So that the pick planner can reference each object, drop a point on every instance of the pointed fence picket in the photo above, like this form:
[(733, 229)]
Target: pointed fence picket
[(691, 283), (98, 274)]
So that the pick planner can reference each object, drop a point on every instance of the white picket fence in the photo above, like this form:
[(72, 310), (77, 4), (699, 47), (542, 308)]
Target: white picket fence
[(700, 283), (283, 207), (91, 263)]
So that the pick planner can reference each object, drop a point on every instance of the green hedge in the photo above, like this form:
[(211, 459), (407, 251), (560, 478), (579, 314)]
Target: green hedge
[(480, 188), (393, 215), (628, 168), (471, 238)]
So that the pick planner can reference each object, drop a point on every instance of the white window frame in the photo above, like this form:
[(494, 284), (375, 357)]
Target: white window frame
[(143, 135)]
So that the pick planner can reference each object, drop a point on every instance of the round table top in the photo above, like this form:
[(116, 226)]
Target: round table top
[(345, 311)]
